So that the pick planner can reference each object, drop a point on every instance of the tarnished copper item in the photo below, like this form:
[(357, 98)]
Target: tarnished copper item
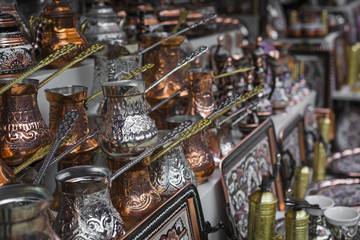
[(201, 97), (86, 210), (61, 31), (62, 100), (165, 57), (132, 193), (16, 52), (171, 172), (196, 152), (23, 213), (22, 128), (6, 174)]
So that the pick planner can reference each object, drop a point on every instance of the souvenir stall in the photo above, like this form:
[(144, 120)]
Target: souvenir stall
[(232, 119)]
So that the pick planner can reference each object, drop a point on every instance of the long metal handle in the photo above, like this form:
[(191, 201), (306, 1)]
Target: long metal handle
[(170, 136), (223, 107), (198, 52), (52, 57), (84, 54), (64, 128), (196, 24)]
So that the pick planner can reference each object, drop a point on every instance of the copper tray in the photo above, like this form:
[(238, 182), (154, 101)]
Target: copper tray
[(345, 192), (345, 163)]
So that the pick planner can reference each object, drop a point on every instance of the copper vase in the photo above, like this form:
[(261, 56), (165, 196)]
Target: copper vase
[(62, 100), (61, 31), (196, 151), (132, 193), (171, 172), (22, 128), (86, 210), (165, 57)]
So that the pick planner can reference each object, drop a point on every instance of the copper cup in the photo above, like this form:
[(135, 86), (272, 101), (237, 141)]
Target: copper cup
[(197, 154), (165, 57), (22, 128)]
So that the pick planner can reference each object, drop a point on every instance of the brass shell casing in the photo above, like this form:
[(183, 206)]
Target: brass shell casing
[(297, 224), (262, 211)]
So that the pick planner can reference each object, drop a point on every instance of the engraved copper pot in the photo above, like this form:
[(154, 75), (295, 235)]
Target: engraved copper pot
[(171, 172), (196, 151), (16, 52), (62, 100), (112, 63), (61, 31), (22, 128), (127, 130), (165, 57), (132, 193), (201, 97), (23, 213), (86, 210)]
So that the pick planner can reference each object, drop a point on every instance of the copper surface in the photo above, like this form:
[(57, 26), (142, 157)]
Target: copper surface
[(61, 31), (22, 128), (165, 57), (6, 174), (197, 154), (132, 193), (201, 97)]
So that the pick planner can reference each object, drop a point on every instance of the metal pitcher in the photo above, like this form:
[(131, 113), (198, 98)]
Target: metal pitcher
[(22, 128)]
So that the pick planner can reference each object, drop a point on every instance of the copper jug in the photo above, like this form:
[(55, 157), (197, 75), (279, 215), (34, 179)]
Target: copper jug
[(196, 151), (171, 172), (16, 53), (165, 57), (132, 193), (61, 31), (66, 99), (22, 128), (86, 210), (23, 213)]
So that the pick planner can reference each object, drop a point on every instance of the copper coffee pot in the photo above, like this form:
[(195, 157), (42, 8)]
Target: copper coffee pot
[(22, 128), (16, 53), (61, 31)]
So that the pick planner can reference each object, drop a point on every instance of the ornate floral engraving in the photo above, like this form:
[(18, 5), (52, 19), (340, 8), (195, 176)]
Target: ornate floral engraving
[(16, 59), (243, 178)]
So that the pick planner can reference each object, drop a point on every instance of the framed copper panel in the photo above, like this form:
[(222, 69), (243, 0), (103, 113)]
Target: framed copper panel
[(180, 217), (292, 145), (242, 171)]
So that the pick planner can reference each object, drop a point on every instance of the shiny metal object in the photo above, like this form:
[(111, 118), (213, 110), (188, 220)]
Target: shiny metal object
[(201, 98), (64, 129), (86, 210), (196, 152), (127, 130), (319, 164), (23, 213), (301, 181), (22, 129), (171, 172), (6, 174), (102, 26), (297, 224), (63, 100), (16, 52), (61, 31)]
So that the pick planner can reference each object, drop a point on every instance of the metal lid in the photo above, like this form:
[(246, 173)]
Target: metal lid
[(7, 20)]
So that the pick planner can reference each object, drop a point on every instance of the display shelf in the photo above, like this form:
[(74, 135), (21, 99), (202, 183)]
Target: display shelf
[(346, 94)]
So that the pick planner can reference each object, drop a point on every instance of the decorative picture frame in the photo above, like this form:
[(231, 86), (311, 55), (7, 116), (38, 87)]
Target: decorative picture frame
[(292, 145), (319, 71), (180, 217), (242, 171)]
